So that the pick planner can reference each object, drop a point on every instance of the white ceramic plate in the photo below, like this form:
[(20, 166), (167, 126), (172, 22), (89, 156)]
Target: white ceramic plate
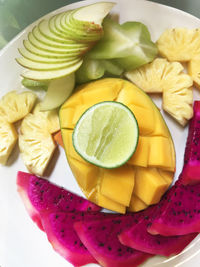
[(22, 244)]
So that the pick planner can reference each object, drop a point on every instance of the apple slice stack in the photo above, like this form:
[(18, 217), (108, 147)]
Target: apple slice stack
[(55, 46)]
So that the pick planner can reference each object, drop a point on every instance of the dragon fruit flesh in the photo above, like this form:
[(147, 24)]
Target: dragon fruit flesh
[(191, 168), (100, 237), (138, 238), (40, 195), (61, 234), (181, 214)]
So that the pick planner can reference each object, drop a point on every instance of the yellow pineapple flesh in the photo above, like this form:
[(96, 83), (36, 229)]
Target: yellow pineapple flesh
[(15, 106), (8, 139), (155, 76), (194, 71), (179, 44), (35, 140)]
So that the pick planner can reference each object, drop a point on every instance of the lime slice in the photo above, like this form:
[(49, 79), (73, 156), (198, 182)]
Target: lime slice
[(106, 135)]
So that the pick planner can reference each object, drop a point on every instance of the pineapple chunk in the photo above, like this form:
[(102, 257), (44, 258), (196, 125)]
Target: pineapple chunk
[(178, 99), (35, 141), (14, 106), (179, 44), (155, 76), (8, 137), (194, 71)]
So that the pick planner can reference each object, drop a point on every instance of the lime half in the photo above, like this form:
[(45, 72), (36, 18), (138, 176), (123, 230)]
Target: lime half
[(106, 135)]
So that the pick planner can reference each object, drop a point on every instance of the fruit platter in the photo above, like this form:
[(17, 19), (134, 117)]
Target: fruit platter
[(99, 138)]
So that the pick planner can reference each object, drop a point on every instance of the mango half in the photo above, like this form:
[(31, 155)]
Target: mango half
[(147, 175)]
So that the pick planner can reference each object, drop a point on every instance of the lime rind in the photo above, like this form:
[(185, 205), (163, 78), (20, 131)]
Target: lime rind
[(111, 121)]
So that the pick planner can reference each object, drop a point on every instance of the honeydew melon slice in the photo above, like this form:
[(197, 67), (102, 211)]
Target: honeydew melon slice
[(29, 64), (41, 38), (29, 55), (44, 53), (48, 48), (58, 91), (53, 74), (94, 13)]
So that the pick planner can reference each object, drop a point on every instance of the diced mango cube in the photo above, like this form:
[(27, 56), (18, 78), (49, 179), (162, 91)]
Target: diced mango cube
[(160, 153), (66, 117), (168, 176), (141, 155), (98, 92), (69, 148), (79, 112), (107, 203), (149, 185), (86, 174), (136, 97), (145, 119), (136, 204), (160, 126), (118, 182)]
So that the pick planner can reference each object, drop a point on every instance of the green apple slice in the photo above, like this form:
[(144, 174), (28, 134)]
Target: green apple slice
[(48, 48), (91, 69), (54, 30), (25, 53), (58, 92), (50, 75), (45, 30), (29, 64), (35, 85), (40, 52), (94, 13), (41, 38), (84, 34)]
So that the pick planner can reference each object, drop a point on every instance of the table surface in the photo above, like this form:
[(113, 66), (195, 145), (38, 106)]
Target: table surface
[(15, 15)]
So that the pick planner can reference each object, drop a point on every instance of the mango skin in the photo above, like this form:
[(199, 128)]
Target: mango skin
[(147, 174)]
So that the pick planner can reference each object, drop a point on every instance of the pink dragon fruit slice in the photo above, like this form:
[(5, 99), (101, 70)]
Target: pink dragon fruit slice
[(181, 214), (64, 239), (138, 238), (40, 195), (191, 168), (101, 239)]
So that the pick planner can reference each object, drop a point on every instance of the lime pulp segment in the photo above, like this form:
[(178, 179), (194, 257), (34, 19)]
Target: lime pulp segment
[(106, 134)]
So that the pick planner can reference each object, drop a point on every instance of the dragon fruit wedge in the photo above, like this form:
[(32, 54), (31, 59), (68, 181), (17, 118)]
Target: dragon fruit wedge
[(100, 237), (191, 168), (181, 213), (60, 232), (138, 238), (40, 195)]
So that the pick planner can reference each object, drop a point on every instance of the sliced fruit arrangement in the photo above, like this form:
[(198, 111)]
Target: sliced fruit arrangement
[(55, 210), (13, 107), (55, 46), (167, 78), (82, 234), (36, 143), (193, 70), (147, 174)]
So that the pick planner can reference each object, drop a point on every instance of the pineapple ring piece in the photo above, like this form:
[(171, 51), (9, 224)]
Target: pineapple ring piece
[(8, 137), (15, 106), (194, 71), (161, 76), (35, 140), (179, 44), (155, 76)]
